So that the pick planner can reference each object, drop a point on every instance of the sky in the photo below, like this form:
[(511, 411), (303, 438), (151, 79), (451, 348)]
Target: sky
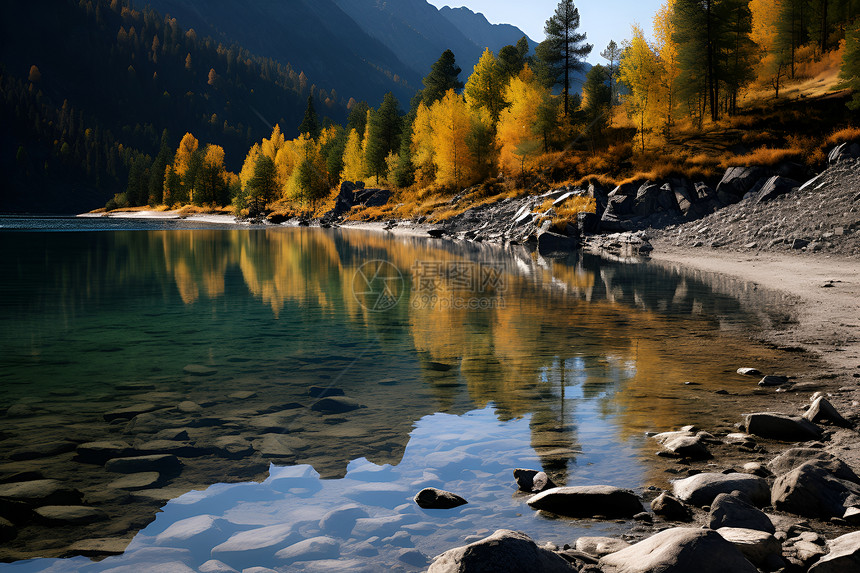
[(601, 20)]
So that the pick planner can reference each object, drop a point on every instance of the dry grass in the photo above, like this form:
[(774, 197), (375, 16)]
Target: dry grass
[(842, 135), (566, 211)]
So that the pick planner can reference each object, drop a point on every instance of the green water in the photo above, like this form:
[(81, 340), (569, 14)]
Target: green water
[(447, 347)]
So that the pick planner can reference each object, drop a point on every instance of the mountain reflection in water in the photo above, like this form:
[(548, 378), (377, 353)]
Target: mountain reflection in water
[(205, 344)]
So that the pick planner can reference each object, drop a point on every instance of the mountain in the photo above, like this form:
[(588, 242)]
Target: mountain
[(313, 36), (87, 88), (419, 32), (481, 32)]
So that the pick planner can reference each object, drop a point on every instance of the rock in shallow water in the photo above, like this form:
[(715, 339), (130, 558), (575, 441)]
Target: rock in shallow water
[(588, 501), (679, 550), (336, 405), (701, 489), (779, 426), (432, 498), (70, 514), (504, 551), (532, 481)]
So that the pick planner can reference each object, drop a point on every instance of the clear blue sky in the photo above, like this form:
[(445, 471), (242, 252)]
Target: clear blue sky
[(601, 20)]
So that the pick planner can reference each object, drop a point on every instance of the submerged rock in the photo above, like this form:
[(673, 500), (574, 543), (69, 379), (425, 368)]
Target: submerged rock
[(588, 501), (70, 514), (679, 550), (163, 463), (504, 551), (336, 405), (39, 493), (432, 498), (532, 481)]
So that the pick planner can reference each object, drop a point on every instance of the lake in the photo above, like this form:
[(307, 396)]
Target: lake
[(304, 384)]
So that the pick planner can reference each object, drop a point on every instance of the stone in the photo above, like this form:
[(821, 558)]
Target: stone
[(759, 547), (600, 546), (232, 447), (504, 551), (670, 508), (679, 550), (749, 372), (167, 464), (732, 510), (690, 447), (412, 557), (189, 407), (323, 391), (39, 493), (129, 412), (811, 490), (550, 243), (798, 244), (336, 405), (773, 381), (532, 481), (822, 410), (100, 452), (310, 549), (795, 457), (70, 514), (588, 501), (99, 547), (199, 528), (701, 489), (242, 394), (199, 370), (437, 232), (175, 447), (774, 187), (844, 555), (340, 521), (433, 498), (778, 426), (215, 566), (43, 450), (142, 480), (246, 545), (737, 181), (843, 152)]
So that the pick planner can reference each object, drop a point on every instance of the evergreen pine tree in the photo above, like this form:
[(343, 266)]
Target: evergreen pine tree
[(561, 54), (156, 178), (384, 129), (310, 125), (444, 75)]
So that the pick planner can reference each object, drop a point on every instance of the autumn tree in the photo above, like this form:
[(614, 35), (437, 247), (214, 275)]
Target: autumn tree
[(263, 186), (850, 70), (484, 87), (332, 149), (210, 186), (640, 71), (423, 151), (516, 136), (612, 54), (384, 128), (667, 51), (452, 123), (353, 158), (562, 52)]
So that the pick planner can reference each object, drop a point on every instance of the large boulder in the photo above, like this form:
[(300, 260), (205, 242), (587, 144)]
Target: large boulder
[(737, 181), (733, 510), (344, 202), (554, 244), (822, 410), (504, 551), (844, 151), (796, 457), (844, 555), (670, 508), (600, 546), (780, 426), (588, 501), (759, 547), (702, 489), (812, 491), (774, 187), (532, 481), (679, 550)]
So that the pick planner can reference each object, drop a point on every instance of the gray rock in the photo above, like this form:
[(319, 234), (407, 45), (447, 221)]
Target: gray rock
[(532, 481), (215, 566), (203, 529), (844, 555), (822, 410), (773, 381), (701, 489), (336, 405), (40, 492), (690, 447), (679, 550), (749, 372), (554, 244), (843, 152), (246, 546), (167, 464), (670, 508), (737, 181), (340, 521), (100, 547), (129, 412), (795, 457), (732, 510), (412, 557), (142, 480), (504, 551), (600, 546), (100, 452), (780, 426), (774, 187), (588, 501), (310, 549), (189, 407), (432, 498), (70, 514), (812, 491), (43, 450), (759, 547), (175, 447), (232, 447)]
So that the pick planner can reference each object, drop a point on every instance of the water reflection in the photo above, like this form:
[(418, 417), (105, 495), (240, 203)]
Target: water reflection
[(208, 345)]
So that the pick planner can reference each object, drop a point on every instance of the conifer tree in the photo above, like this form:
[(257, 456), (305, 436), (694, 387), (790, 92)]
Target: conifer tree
[(484, 87), (850, 70), (384, 128), (562, 52), (263, 186), (156, 178), (444, 75), (357, 119), (612, 53), (310, 125), (597, 96), (512, 59)]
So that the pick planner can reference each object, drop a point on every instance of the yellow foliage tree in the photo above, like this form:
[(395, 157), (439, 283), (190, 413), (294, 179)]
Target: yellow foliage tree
[(247, 171), (422, 146), (641, 71), (187, 148), (516, 134), (451, 121), (353, 158), (667, 50), (484, 87)]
